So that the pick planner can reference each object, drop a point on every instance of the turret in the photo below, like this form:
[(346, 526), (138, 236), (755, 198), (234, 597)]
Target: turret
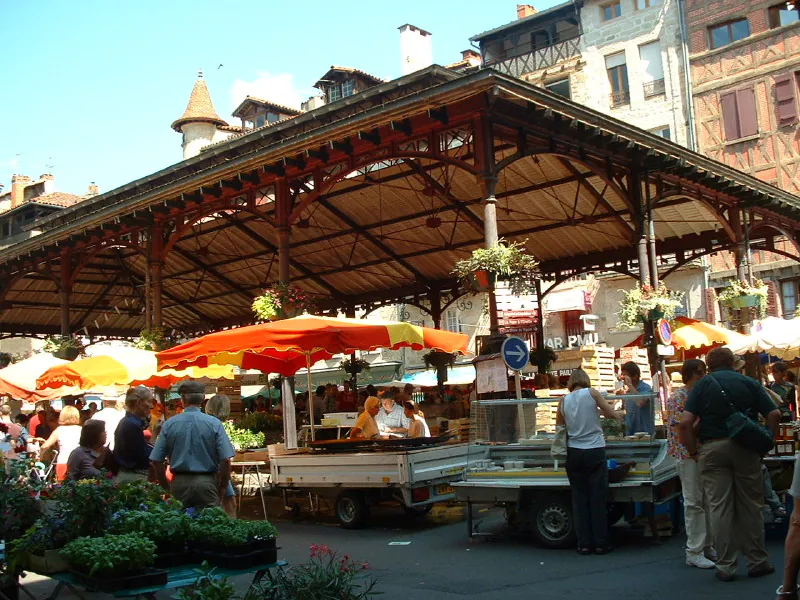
[(199, 121)]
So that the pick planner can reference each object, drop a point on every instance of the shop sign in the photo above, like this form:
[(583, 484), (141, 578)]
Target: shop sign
[(573, 341)]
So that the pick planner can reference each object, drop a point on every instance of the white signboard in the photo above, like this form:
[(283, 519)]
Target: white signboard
[(573, 341), (492, 376)]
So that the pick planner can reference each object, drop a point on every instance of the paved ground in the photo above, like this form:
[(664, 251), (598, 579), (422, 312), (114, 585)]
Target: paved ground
[(438, 561)]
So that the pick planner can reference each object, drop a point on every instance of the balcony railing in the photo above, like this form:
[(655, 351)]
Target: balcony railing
[(654, 88), (620, 98), (543, 58)]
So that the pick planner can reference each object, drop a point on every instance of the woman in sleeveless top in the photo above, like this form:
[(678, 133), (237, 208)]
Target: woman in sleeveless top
[(67, 435), (586, 465)]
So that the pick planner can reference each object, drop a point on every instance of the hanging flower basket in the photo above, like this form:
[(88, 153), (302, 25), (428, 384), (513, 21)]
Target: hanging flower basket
[(506, 262), (154, 339), (644, 303), (543, 358), (63, 347), (739, 295), (354, 367), (482, 280), (654, 314), (281, 301)]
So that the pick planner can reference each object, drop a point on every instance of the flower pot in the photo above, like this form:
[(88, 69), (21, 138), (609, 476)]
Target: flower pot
[(355, 370), (483, 280), (654, 314), (68, 353), (288, 310), (745, 301)]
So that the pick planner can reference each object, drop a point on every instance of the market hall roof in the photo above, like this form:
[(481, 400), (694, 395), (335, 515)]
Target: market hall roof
[(200, 108), (381, 193)]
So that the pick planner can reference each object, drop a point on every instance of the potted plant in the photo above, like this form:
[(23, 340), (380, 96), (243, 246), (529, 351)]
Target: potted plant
[(38, 548), (275, 382), (208, 587), (354, 366), (281, 301), (165, 524), (114, 562), (243, 439), (504, 262), (440, 361), (153, 339), (62, 346), (644, 303), (543, 357), (222, 541), (739, 294)]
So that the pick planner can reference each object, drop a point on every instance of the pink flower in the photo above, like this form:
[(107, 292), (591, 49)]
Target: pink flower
[(364, 566)]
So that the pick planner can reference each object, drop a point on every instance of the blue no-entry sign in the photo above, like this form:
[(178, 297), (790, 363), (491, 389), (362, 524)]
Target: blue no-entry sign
[(515, 353)]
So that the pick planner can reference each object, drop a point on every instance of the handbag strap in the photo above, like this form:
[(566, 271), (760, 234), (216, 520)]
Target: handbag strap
[(724, 395)]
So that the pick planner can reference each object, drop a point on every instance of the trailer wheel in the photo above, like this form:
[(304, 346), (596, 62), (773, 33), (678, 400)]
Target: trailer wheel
[(351, 509), (552, 522)]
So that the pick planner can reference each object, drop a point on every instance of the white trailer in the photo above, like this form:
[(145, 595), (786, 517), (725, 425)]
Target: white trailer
[(417, 478)]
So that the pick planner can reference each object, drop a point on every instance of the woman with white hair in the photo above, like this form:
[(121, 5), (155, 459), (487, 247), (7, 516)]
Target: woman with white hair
[(219, 406)]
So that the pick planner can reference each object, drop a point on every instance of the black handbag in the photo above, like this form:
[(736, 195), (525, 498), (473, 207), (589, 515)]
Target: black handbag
[(743, 430)]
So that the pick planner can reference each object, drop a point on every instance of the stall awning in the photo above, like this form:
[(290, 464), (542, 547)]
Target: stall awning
[(564, 300), (459, 375)]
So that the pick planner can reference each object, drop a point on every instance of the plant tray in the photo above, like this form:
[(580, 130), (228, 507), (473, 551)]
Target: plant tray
[(51, 562), (141, 579), (165, 560), (237, 560)]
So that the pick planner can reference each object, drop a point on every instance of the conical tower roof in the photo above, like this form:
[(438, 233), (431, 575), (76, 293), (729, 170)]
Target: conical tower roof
[(200, 108)]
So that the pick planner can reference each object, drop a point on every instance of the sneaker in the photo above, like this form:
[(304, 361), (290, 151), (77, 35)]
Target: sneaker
[(699, 561)]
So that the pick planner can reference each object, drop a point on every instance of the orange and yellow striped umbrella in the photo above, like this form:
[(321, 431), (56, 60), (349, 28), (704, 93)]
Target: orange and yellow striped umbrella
[(287, 346), (127, 366)]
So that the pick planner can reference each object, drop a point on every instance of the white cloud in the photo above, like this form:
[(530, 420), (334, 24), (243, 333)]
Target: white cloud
[(277, 87)]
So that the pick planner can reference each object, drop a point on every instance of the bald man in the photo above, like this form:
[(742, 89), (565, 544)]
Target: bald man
[(366, 427)]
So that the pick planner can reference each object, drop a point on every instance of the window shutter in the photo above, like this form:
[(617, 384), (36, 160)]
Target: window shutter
[(746, 105), (729, 116), (785, 100)]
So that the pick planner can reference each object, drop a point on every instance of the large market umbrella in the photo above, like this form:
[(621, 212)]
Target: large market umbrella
[(693, 335), (777, 337), (288, 345), (127, 366), (18, 380)]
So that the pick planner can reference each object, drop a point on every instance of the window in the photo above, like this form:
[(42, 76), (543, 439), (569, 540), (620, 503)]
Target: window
[(273, 117), (348, 88), (789, 297), (662, 132), (260, 120), (640, 4), (785, 100), (784, 13), (453, 321), (334, 93), (612, 10), (652, 69), (573, 325), (727, 33), (739, 114), (560, 87), (618, 79)]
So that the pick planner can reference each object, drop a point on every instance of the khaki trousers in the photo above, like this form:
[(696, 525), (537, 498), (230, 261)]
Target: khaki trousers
[(195, 490), (732, 482), (128, 476), (696, 517)]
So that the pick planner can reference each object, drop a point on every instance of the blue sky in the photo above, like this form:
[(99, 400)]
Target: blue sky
[(90, 88)]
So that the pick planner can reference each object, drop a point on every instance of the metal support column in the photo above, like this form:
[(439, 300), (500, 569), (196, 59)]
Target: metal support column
[(64, 289)]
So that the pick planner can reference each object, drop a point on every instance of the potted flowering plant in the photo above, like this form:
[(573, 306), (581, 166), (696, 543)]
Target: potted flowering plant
[(281, 301), (354, 367), (62, 346), (644, 303), (153, 339), (739, 294), (505, 262), (543, 357)]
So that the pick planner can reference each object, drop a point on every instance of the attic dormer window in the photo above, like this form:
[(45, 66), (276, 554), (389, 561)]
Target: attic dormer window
[(348, 88), (334, 93), (261, 120)]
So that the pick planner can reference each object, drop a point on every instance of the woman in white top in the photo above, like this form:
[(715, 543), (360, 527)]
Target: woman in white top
[(67, 436), (586, 465), (417, 426)]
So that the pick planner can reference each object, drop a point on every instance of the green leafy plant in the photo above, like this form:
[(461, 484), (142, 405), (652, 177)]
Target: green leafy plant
[(644, 303), (435, 359), (354, 366), (737, 289), (259, 530), (507, 261), (110, 555), (19, 503), (154, 339), (325, 575), (543, 357), (164, 524), (275, 382), (213, 529), (281, 300), (243, 439), (54, 343), (260, 422), (207, 586)]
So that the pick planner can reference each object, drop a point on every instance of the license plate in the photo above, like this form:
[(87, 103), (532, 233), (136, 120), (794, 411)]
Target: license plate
[(442, 490)]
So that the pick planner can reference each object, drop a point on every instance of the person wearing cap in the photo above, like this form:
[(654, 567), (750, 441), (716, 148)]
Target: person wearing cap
[(131, 450), (199, 452), (366, 427)]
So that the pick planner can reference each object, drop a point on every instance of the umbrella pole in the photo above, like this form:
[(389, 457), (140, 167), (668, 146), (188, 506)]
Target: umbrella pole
[(310, 398)]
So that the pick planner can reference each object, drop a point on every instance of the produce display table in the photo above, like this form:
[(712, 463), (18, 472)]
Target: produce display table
[(177, 577)]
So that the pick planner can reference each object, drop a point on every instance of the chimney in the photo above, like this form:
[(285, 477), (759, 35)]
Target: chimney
[(93, 190), (472, 57), (416, 49), (18, 184), (525, 10), (49, 183)]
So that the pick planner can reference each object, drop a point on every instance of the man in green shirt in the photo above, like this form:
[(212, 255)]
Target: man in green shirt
[(731, 473)]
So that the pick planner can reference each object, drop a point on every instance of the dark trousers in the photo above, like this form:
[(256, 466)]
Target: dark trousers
[(587, 471)]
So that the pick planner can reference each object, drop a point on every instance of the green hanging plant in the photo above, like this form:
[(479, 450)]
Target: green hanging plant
[(281, 301), (153, 339), (644, 303), (353, 367), (739, 294), (543, 357), (507, 261), (62, 346)]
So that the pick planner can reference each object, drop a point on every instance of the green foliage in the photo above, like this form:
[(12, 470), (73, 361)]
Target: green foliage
[(543, 357), (212, 528), (258, 422), (638, 302), (612, 427), (259, 530), (273, 302), (54, 343), (154, 339), (110, 555), (508, 261), (354, 366), (18, 498), (326, 575), (435, 359), (207, 587), (161, 523), (243, 439), (737, 288)]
